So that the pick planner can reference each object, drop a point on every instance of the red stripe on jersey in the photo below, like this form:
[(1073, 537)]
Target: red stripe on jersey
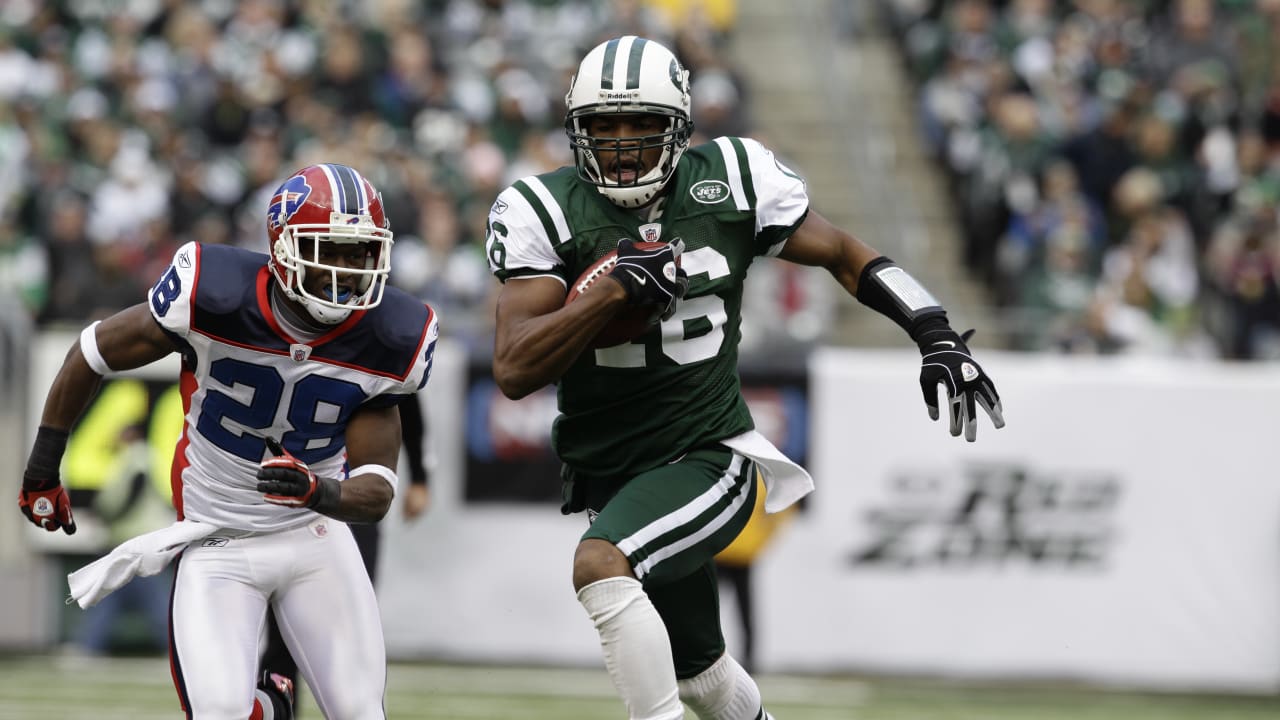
[(186, 388), (191, 300), (264, 305)]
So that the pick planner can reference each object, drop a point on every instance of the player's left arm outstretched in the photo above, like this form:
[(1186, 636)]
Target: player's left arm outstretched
[(886, 288), (129, 339), (373, 447)]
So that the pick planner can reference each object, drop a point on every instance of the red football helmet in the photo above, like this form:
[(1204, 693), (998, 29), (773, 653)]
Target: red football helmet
[(318, 207)]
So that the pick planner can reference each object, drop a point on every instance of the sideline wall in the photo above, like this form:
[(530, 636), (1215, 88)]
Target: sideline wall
[(1124, 529)]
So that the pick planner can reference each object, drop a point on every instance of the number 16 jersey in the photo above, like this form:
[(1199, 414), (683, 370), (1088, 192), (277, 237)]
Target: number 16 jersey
[(631, 407)]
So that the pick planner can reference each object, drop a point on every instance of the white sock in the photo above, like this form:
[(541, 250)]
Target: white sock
[(723, 691), (637, 653), (263, 704)]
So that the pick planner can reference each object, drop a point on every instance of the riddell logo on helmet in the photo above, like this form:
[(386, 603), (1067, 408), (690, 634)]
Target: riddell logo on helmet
[(616, 95)]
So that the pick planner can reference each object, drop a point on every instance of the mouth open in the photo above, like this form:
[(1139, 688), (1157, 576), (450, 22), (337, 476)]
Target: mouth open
[(626, 171)]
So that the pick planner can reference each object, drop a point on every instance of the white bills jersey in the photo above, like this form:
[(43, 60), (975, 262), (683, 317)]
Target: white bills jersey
[(244, 379)]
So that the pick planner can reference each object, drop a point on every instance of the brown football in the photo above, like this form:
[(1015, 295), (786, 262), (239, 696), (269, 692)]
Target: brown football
[(632, 321)]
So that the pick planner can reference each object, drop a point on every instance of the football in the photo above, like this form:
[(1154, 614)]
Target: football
[(631, 321)]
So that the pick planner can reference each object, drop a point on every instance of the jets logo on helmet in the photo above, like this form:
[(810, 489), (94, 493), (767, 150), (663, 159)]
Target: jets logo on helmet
[(314, 209), (629, 75)]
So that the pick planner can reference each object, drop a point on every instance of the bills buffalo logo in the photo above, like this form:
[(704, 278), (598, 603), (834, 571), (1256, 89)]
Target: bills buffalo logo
[(288, 199)]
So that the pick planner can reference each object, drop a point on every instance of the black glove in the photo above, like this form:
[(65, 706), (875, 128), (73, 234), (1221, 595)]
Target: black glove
[(651, 277), (286, 480), (946, 359)]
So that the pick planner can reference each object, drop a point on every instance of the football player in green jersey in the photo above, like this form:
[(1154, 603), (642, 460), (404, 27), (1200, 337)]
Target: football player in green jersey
[(656, 440)]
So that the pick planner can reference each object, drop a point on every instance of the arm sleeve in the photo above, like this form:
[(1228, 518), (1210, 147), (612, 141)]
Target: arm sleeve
[(172, 298), (518, 239), (413, 433), (782, 199)]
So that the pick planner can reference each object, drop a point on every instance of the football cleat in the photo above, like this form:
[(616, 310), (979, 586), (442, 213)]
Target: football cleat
[(275, 691)]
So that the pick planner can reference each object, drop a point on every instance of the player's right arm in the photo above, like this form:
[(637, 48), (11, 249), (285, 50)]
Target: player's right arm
[(537, 337), (131, 338)]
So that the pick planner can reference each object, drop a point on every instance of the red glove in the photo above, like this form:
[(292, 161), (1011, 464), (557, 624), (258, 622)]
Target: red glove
[(286, 480), (50, 509)]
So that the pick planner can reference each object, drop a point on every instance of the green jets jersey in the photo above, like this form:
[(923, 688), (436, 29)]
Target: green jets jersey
[(631, 407)]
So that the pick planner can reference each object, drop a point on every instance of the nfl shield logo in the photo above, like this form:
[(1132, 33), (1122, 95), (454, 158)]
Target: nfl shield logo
[(651, 232), (299, 352)]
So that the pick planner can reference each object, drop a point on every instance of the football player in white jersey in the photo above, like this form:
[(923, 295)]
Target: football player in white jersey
[(293, 365)]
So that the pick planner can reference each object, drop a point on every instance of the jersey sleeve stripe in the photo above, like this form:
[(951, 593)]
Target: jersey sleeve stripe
[(744, 165), (734, 171), (545, 205), (548, 225)]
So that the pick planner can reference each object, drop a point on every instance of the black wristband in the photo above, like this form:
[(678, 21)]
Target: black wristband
[(45, 459), (327, 496), (908, 304), (931, 326)]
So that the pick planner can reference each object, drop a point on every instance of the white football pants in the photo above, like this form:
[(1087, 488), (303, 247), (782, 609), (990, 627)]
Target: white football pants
[(323, 601)]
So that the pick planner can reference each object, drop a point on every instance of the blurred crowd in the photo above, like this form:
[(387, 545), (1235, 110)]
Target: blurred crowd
[(1116, 164), (129, 127)]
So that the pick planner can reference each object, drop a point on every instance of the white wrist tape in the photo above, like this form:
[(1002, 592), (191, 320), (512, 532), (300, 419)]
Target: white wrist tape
[(89, 348), (381, 471)]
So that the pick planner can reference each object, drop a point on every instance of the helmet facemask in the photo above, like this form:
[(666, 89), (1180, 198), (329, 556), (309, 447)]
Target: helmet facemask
[(593, 154), (350, 253)]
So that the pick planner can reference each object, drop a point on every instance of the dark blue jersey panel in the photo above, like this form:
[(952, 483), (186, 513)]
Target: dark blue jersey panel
[(386, 340), (226, 302)]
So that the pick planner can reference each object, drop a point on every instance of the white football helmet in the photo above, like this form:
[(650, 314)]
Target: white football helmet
[(629, 75)]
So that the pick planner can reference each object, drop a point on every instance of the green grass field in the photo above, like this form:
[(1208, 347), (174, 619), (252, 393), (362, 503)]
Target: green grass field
[(51, 688)]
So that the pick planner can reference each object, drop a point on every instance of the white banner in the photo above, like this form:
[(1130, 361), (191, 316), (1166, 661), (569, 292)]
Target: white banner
[(1123, 528)]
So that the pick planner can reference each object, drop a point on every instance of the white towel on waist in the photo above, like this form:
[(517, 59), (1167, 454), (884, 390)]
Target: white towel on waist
[(144, 555), (784, 481)]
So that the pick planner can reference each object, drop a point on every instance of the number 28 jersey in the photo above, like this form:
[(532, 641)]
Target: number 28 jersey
[(631, 407), (243, 378)]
